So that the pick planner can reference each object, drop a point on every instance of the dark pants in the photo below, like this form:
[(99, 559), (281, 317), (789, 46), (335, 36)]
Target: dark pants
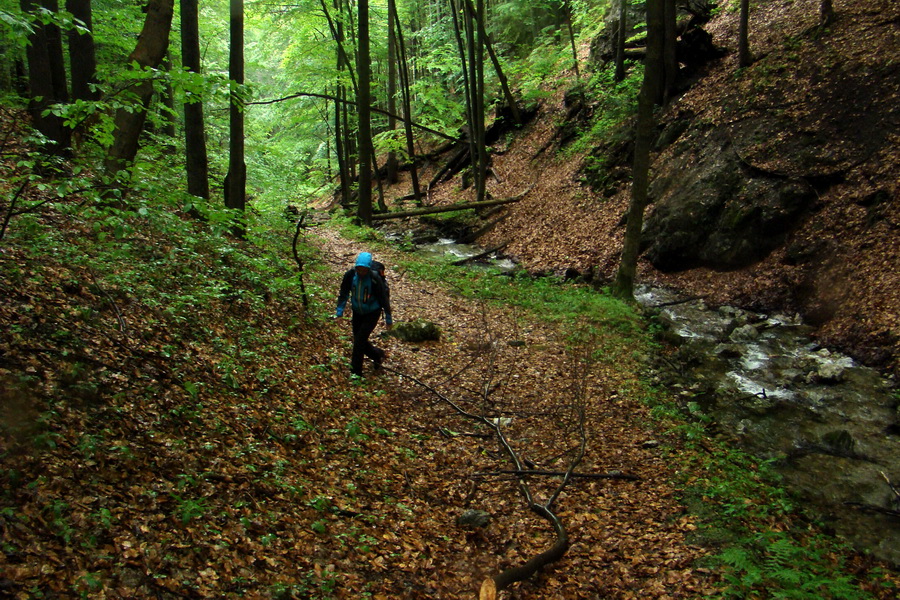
[(363, 325)]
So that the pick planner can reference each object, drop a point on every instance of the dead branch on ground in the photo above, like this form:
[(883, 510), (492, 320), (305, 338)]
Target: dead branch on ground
[(486, 410)]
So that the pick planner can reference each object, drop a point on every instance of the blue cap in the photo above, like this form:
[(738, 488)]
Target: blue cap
[(364, 260)]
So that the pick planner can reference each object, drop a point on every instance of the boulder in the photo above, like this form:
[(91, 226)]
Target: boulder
[(415, 331)]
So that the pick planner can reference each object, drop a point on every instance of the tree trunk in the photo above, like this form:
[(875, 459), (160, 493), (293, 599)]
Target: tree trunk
[(57, 58), (236, 180), (567, 10), (340, 108), (620, 40), (504, 83), (670, 60), (149, 52), (826, 13), (363, 98), (196, 160), (46, 78), (82, 52), (433, 210), (391, 165), (407, 112), (167, 99), (478, 65), (467, 81), (624, 283), (744, 58), (40, 82)]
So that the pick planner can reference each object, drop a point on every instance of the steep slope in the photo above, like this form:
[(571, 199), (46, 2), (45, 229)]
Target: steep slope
[(817, 112)]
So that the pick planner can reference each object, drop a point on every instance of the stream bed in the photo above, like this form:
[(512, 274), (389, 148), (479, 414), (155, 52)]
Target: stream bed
[(830, 424)]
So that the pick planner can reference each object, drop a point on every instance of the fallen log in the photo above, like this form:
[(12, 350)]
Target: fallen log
[(479, 256), (430, 210)]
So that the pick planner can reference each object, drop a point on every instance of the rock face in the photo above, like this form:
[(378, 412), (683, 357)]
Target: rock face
[(713, 209)]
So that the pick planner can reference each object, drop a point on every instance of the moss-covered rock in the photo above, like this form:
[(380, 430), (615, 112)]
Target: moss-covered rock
[(415, 331)]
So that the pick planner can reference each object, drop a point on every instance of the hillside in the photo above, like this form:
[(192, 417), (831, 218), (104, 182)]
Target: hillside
[(818, 110)]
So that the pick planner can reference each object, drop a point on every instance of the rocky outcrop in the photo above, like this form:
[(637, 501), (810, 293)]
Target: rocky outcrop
[(714, 209)]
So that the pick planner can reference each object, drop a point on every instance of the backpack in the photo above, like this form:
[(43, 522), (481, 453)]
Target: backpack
[(379, 268)]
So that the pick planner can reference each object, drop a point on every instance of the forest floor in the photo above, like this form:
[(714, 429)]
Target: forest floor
[(629, 538), (150, 450)]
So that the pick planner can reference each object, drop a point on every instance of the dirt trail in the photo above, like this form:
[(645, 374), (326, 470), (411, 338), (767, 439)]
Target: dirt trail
[(628, 537)]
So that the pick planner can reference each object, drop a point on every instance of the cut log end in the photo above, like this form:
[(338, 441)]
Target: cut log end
[(488, 590)]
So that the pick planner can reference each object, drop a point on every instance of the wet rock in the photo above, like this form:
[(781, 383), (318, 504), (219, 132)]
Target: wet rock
[(840, 442), (728, 351), (744, 333), (710, 210), (830, 372)]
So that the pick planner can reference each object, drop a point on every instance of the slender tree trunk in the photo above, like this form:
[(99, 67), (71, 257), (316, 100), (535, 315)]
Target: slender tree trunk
[(363, 68), (744, 57), (82, 52), (343, 133), (620, 40), (392, 87), (624, 283), (407, 112), (196, 161), (567, 9), (167, 99), (149, 52), (478, 65), (670, 60), (236, 180), (504, 83), (467, 82)]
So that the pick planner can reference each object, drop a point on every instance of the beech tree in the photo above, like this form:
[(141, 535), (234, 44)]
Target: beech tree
[(148, 54), (621, 32), (236, 180), (196, 161), (670, 59), (46, 74), (391, 164), (625, 276), (82, 52), (363, 100)]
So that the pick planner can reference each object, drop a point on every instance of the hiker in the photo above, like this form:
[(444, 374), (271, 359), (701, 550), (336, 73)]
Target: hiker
[(368, 295)]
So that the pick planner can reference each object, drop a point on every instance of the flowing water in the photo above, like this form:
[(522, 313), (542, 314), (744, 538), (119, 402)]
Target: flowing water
[(830, 423), (447, 250)]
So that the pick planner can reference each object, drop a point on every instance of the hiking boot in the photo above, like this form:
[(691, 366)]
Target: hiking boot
[(379, 359)]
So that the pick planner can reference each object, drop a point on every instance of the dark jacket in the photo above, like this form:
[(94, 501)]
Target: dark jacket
[(367, 294)]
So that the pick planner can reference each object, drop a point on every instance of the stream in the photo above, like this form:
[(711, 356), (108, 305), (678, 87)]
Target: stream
[(829, 425)]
